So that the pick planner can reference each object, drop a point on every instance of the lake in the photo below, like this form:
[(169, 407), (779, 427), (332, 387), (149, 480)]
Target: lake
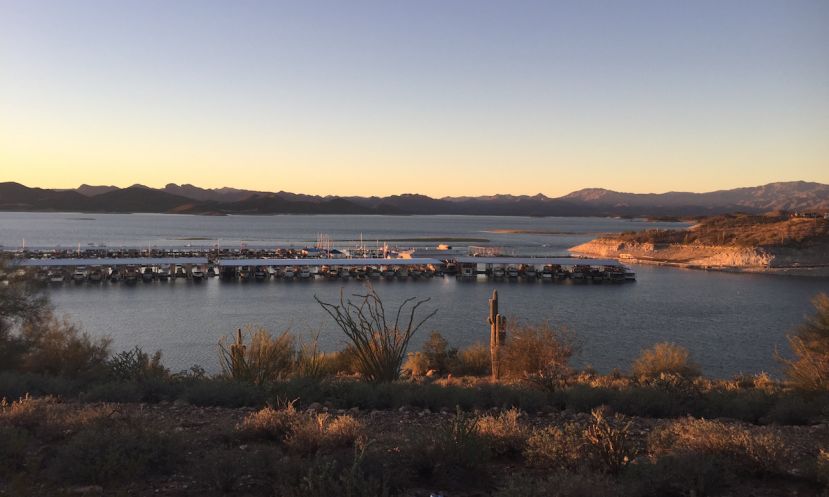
[(731, 322)]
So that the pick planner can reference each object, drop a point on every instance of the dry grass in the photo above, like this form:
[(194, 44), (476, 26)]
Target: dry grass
[(556, 447), (269, 423), (323, 431), (47, 419), (750, 450), (263, 359), (504, 432)]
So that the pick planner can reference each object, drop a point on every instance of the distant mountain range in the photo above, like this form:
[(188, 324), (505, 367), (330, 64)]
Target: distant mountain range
[(189, 199)]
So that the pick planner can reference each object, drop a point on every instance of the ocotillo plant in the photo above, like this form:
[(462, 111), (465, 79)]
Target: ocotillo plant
[(497, 334), (380, 345)]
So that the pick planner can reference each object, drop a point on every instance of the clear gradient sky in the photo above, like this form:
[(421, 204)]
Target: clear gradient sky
[(442, 97)]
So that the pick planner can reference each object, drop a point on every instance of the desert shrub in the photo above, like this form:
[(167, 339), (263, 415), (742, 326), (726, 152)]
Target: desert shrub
[(13, 443), (504, 432), (379, 344), (269, 423), (609, 442), (560, 484), (558, 448), (678, 475), (752, 452), (439, 355), (327, 477), (46, 419), (822, 466), (665, 358), (450, 449), (265, 359), (343, 361), (136, 365), (416, 364), (310, 362), (224, 393), (794, 409), (118, 450), (810, 344), (58, 348), (474, 360), (15, 384), (309, 434), (538, 351)]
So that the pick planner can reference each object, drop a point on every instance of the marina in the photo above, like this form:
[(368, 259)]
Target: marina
[(147, 269)]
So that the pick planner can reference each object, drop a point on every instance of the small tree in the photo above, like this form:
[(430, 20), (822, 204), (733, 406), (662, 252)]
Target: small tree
[(380, 345), (810, 344)]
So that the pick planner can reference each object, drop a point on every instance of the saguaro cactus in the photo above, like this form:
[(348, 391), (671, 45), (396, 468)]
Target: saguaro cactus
[(497, 335)]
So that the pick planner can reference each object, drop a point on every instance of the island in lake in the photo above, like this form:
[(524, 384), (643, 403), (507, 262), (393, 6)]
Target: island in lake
[(783, 243)]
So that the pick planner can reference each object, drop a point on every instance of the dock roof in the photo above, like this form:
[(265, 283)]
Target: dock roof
[(561, 261), (368, 261), (111, 261)]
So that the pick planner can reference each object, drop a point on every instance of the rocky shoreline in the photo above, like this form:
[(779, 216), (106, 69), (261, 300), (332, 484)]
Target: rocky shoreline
[(810, 261)]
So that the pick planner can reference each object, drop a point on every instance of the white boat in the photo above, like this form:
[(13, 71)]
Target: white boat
[(147, 274), (304, 273), (56, 276), (79, 275), (498, 272), (512, 272), (197, 274), (114, 274), (162, 274), (259, 274)]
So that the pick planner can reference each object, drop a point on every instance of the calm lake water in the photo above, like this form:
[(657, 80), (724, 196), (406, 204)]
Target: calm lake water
[(730, 322)]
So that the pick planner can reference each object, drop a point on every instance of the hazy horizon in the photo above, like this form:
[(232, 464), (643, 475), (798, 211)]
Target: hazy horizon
[(439, 98)]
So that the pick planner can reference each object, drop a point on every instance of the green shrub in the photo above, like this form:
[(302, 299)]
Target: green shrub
[(263, 360), (665, 358), (136, 365), (119, 450)]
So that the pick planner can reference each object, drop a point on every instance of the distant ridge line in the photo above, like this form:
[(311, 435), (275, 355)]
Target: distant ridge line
[(190, 199)]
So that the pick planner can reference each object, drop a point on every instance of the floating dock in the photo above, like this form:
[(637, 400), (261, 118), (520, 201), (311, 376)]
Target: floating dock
[(131, 269)]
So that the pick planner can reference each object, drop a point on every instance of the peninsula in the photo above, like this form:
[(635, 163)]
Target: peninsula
[(796, 244)]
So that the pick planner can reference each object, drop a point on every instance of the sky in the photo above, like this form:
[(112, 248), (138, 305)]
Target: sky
[(440, 97)]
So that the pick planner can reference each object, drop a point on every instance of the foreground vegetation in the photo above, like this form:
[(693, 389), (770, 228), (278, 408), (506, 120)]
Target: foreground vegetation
[(284, 419)]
